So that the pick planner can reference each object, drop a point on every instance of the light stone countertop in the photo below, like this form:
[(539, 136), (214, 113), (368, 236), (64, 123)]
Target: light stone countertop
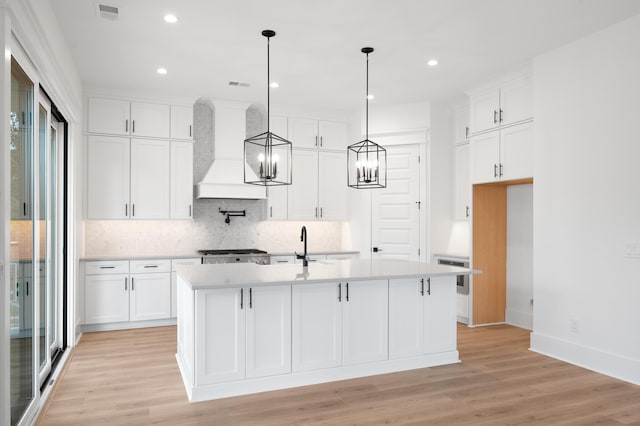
[(141, 257), (201, 277)]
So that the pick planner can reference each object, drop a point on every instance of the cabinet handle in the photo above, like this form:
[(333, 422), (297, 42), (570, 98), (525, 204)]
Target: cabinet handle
[(429, 286), (500, 115), (24, 209), (133, 210), (150, 266), (132, 284), (282, 261), (422, 286), (126, 126), (466, 132), (126, 210), (495, 170), (17, 289), (250, 298), (189, 210), (125, 283), (26, 288), (107, 267), (316, 212), (241, 298), (320, 211), (270, 211), (320, 140), (133, 130), (467, 211), (339, 292), (495, 116), (347, 292), (316, 140), (500, 169), (190, 130)]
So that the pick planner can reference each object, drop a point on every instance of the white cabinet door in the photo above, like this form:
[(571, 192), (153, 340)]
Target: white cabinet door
[(181, 122), (106, 298), (108, 116), (462, 203), (108, 177), (316, 326), (516, 100), (220, 335), (485, 157), (150, 179), (150, 296), (365, 322), (181, 180), (303, 132), (332, 186), (406, 318), (174, 279), (485, 110), (303, 191), (268, 319), (333, 135), (150, 120), (440, 315), (461, 127), (516, 151)]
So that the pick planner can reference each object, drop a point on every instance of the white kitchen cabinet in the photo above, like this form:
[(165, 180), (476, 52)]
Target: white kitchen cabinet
[(181, 122), (303, 191), (316, 326), (461, 126), (502, 104), (106, 298), (365, 322), (174, 278), (282, 259), (246, 333), (303, 132), (150, 297), (505, 154), (181, 192), (150, 179), (333, 135), (220, 335), (332, 185), (108, 160), (462, 201), (268, 332), (406, 318), (439, 315), (121, 117)]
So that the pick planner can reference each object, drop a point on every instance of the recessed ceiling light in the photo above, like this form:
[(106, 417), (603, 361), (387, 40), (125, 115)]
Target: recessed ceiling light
[(370, 96), (432, 62), (274, 84), (170, 18), (162, 71)]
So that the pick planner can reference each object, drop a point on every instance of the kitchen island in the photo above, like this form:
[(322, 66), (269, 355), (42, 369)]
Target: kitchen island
[(246, 328)]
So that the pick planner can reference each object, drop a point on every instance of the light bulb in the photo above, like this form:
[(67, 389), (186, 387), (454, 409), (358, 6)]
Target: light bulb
[(274, 158), (261, 157)]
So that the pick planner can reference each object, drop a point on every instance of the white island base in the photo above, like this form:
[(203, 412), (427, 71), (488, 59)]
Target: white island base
[(252, 328)]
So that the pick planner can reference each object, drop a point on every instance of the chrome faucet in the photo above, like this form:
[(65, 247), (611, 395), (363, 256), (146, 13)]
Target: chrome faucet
[(303, 237)]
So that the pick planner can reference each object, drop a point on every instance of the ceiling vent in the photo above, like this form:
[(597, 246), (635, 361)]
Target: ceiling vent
[(238, 84), (106, 12)]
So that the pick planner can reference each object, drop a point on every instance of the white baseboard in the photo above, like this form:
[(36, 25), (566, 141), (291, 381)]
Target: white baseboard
[(127, 325), (519, 319), (594, 359)]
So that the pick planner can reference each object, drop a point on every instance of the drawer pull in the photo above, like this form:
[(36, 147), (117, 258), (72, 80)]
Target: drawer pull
[(150, 266), (107, 267)]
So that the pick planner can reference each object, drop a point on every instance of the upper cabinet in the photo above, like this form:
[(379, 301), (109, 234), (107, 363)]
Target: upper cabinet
[(181, 122), (461, 126), (310, 133), (118, 117), (502, 104)]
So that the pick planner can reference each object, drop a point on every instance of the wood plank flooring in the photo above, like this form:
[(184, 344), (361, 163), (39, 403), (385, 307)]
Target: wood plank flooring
[(131, 378)]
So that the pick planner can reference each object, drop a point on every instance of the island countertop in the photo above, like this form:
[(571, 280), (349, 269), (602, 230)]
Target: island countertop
[(200, 277)]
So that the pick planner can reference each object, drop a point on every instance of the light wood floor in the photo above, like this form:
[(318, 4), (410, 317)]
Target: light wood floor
[(131, 378)]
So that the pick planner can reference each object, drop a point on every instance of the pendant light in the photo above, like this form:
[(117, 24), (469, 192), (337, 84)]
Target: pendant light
[(366, 160), (267, 153)]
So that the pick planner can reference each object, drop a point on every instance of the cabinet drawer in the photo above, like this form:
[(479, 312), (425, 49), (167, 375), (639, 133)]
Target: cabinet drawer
[(150, 266), (191, 261), (102, 267), (277, 260)]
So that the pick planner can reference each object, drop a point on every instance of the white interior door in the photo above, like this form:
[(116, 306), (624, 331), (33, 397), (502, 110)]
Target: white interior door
[(395, 219)]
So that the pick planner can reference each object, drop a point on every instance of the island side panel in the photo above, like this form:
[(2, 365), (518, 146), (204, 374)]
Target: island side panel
[(185, 311)]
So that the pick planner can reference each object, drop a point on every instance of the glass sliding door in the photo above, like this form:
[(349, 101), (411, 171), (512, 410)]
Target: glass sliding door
[(22, 334), (44, 361)]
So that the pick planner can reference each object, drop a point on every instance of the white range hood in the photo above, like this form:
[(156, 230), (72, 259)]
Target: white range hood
[(225, 177)]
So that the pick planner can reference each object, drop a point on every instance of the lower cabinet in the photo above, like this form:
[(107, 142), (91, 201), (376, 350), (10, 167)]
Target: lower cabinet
[(338, 324), (106, 298), (150, 296), (242, 333), (422, 316)]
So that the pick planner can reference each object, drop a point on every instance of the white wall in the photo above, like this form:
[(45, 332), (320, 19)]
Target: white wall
[(519, 310), (587, 201)]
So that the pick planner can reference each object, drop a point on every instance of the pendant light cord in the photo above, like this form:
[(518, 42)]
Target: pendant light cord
[(268, 86), (367, 98)]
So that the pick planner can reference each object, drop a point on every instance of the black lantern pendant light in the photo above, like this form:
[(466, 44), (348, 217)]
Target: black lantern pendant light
[(267, 152), (366, 160)]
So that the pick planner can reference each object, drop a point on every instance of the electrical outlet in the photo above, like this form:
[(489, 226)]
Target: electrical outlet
[(573, 325), (632, 250)]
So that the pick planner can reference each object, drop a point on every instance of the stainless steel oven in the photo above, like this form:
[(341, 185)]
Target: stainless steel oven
[(462, 281)]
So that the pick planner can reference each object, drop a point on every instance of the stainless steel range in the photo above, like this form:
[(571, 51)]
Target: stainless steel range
[(235, 256)]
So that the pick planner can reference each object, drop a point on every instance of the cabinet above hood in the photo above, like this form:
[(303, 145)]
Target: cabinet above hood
[(225, 176)]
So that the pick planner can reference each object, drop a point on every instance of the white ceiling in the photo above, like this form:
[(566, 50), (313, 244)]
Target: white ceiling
[(316, 54)]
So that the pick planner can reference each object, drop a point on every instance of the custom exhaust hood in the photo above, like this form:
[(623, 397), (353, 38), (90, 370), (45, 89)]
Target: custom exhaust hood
[(225, 177)]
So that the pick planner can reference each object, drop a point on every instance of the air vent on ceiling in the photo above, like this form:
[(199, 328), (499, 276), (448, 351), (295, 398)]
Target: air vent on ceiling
[(238, 84), (110, 13)]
